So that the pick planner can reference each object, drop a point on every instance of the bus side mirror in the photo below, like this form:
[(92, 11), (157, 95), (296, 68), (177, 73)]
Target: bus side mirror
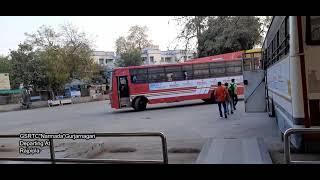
[(245, 82)]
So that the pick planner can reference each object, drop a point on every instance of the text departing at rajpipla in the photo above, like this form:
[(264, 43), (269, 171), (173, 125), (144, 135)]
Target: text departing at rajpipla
[(33, 143)]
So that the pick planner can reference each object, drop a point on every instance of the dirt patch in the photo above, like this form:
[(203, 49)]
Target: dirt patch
[(7, 149), (183, 150), (278, 157), (277, 154), (123, 150), (180, 151)]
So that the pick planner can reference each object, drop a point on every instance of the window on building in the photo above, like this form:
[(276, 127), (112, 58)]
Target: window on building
[(144, 59), (109, 61), (101, 60), (168, 59), (162, 59), (151, 59)]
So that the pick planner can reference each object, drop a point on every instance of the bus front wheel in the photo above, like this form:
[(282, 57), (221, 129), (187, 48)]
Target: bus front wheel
[(140, 104)]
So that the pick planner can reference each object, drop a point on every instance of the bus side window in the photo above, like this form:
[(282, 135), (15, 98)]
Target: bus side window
[(313, 30), (185, 75), (134, 79), (170, 76)]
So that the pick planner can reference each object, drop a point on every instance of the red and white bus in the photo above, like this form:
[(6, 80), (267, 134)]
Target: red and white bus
[(137, 86)]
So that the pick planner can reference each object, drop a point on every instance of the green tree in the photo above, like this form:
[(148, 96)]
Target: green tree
[(228, 34), (131, 57), (77, 50), (265, 22), (5, 64), (192, 28), (129, 48), (122, 45), (48, 50), (55, 69), (138, 37), (49, 59), (65, 55), (26, 68), (222, 34)]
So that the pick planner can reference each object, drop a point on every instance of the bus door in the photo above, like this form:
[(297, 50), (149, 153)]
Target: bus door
[(123, 91), (254, 83)]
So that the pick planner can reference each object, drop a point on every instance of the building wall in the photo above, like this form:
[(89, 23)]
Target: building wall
[(150, 55), (104, 58), (4, 81), (174, 56), (165, 57)]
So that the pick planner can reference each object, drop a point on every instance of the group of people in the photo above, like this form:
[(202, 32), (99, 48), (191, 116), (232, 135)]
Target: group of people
[(226, 96)]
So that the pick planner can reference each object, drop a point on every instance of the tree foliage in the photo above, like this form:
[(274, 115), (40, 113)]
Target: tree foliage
[(129, 48), (131, 57), (26, 67), (228, 34), (49, 59), (222, 34), (4, 64), (192, 27)]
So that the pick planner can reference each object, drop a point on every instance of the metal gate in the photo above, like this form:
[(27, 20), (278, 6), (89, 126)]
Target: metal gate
[(53, 159), (254, 84)]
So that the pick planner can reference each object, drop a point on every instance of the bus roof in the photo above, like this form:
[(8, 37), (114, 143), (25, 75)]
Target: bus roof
[(217, 58), (221, 57)]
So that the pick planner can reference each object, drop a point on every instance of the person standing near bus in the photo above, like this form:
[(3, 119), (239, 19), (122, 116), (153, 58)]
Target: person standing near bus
[(229, 100), (220, 93), (234, 96), (185, 75)]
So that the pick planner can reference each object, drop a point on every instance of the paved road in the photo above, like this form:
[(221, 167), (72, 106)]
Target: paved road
[(191, 119), (186, 124)]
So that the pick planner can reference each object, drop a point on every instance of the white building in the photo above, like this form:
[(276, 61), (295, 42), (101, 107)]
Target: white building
[(150, 55), (153, 55), (104, 58), (174, 56)]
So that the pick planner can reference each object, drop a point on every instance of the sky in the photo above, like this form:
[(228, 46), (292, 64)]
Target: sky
[(104, 30)]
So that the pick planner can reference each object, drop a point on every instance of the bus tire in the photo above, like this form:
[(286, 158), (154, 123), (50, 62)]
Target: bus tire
[(140, 103), (211, 100)]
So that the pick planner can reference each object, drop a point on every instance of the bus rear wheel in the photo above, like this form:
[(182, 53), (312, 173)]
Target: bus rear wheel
[(210, 100), (140, 104)]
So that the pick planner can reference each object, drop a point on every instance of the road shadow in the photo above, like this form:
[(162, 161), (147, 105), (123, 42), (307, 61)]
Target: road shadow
[(131, 110)]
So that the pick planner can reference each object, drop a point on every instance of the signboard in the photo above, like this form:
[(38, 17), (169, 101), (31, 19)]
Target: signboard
[(4, 81), (199, 83)]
